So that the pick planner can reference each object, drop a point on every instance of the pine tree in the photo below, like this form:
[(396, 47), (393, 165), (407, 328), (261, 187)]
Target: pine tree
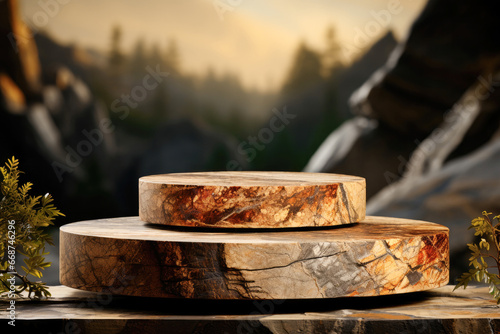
[(139, 59), (116, 57), (305, 70), (172, 57), (331, 55), (23, 219)]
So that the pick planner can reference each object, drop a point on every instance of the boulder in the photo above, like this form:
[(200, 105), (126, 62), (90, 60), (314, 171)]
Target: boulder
[(435, 99), (427, 74), (350, 79)]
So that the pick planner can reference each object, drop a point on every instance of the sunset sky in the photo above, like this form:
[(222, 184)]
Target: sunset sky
[(253, 38)]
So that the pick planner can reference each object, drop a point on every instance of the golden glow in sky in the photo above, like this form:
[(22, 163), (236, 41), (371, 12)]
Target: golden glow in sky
[(252, 38)]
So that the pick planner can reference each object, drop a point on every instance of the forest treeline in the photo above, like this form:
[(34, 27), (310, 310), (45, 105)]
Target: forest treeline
[(221, 102)]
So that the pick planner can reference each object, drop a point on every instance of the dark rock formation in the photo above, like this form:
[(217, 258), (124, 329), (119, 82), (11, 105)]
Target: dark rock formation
[(411, 96), (449, 46), (361, 69)]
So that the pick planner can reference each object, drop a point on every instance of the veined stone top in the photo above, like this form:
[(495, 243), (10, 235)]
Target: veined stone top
[(371, 228), (252, 199), (249, 179)]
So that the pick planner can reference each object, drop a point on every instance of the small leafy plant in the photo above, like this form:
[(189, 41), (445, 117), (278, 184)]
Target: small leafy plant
[(22, 222), (488, 248)]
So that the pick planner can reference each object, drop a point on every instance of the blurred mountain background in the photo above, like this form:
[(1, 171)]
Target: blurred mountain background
[(94, 95), (68, 67)]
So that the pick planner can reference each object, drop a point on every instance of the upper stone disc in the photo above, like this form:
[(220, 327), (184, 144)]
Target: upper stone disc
[(252, 199)]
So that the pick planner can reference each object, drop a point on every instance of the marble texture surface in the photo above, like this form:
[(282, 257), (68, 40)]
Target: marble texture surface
[(378, 256), (252, 199)]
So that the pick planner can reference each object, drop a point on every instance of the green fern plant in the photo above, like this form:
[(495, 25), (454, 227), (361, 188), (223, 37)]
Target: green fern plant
[(488, 248), (23, 219)]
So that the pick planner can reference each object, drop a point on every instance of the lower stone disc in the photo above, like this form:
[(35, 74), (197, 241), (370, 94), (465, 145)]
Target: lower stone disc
[(378, 256)]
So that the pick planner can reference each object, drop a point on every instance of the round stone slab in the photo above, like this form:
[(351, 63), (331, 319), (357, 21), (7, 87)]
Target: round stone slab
[(378, 256), (252, 199)]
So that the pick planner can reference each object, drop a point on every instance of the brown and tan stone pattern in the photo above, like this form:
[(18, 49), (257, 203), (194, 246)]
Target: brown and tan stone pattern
[(378, 256), (252, 199)]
